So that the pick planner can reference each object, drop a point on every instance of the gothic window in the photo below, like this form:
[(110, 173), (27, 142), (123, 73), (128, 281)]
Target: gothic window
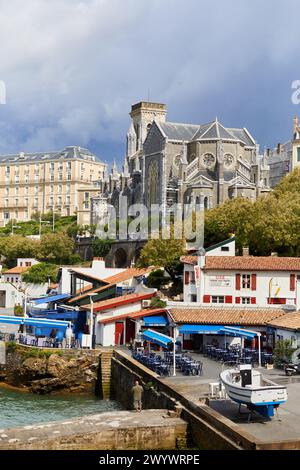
[(153, 183), (228, 160), (206, 203), (208, 160)]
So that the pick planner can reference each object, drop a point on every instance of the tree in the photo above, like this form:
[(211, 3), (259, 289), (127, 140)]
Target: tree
[(163, 253), (289, 183), (40, 273), (16, 246), (234, 216), (101, 247), (157, 279), (56, 248), (283, 350)]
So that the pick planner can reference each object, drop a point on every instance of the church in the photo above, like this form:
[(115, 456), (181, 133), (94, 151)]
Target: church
[(168, 162)]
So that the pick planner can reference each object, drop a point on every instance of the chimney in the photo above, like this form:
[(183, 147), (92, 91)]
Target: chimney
[(201, 258), (279, 148), (245, 250)]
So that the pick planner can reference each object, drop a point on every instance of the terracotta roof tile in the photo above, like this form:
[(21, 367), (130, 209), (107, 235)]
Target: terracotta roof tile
[(247, 263), (128, 274), (225, 316), (291, 321), (17, 270)]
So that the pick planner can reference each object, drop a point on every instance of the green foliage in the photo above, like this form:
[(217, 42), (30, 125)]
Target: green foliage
[(163, 253), (157, 279), (40, 273), (156, 302), (101, 247), (271, 223), (56, 248), (16, 246), (18, 310), (283, 350), (11, 346)]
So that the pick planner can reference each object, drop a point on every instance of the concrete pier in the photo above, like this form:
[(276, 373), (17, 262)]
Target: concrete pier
[(150, 429)]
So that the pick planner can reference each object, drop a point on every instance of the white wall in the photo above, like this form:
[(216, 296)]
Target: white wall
[(223, 283)]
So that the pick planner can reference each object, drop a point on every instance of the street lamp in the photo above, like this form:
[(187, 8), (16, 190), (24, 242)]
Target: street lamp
[(42, 222), (91, 329)]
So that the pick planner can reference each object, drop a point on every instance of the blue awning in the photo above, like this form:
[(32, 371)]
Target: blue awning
[(11, 320), (51, 298), (40, 322), (232, 331), (158, 338), (55, 315), (200, 329), (158, 320)]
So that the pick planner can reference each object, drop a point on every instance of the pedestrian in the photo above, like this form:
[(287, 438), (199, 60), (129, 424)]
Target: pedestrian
[(137, 391), (53, 336), (69, 336)]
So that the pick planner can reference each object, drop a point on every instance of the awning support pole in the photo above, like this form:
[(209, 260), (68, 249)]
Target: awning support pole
[(174, 354)]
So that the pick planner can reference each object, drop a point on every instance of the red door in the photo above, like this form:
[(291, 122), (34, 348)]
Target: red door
[(119, 333), (130, 330)]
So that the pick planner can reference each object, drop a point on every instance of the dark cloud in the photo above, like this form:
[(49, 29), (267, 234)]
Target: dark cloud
[(74, 67)]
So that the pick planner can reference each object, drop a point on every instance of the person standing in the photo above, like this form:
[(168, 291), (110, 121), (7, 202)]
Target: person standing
[(137, 391), (69, 335)]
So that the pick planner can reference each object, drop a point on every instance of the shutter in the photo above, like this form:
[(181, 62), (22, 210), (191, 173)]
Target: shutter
[(237, 300), (292, 282), (228, 299), (187, 277), (238, 282), (253, 300), (206, 299), (253, 281)]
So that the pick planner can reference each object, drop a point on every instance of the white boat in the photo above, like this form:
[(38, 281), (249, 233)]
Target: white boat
[(246, 385)]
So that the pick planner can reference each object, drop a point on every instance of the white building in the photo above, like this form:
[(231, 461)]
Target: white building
[(218, 277)]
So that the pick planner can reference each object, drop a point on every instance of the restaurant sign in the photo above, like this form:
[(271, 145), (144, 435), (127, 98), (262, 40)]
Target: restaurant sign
[(220, 281), (197, 271)]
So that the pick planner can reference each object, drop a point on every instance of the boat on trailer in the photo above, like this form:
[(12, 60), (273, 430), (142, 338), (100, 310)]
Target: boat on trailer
[(248, 386)]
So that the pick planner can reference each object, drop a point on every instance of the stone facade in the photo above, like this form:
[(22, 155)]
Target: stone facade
[(169, 162)]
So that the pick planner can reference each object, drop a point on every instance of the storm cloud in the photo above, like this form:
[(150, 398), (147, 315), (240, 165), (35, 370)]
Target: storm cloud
[(72, 68)]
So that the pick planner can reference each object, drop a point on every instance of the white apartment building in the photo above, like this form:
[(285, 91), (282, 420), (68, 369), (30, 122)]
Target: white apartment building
[(217, 276)]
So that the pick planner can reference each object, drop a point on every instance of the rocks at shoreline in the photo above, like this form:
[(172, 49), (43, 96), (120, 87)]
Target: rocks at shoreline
[(57, 372)]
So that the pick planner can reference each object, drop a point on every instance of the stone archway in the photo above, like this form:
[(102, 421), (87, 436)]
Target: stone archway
[(120, 258)]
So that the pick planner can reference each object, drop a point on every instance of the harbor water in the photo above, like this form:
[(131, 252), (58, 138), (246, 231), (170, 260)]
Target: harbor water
[(21, 409)]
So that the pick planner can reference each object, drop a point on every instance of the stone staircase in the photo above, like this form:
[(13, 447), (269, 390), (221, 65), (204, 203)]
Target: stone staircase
[(105, 374)]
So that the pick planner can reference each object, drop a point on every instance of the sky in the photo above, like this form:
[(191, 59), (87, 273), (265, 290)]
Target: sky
[(73, 68)]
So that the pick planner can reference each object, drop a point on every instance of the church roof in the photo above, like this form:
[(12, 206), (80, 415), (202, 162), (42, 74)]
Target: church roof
[(209, 131), (177, 131)]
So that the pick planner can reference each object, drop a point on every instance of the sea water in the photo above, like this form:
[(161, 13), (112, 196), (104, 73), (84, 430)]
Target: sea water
[(22, 408)]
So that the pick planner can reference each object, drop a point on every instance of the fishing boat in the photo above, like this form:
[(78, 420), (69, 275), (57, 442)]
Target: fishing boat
[(247, 386)]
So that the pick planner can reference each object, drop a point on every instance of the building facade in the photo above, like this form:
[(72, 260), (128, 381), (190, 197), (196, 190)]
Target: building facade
[(285, 157), (43, 182), (259, 281), (168, 163)]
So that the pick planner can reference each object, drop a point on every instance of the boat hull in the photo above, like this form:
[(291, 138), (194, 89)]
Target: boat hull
[(262, 398)]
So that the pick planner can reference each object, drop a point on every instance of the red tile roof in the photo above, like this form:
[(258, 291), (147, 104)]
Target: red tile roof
[(246, 263), (225, 316), (121, 300), (128, 274), (17, 270), (290, 321), (141, 313)]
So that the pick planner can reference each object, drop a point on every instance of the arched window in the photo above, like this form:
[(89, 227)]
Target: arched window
[(153, 183), (206, 203)]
